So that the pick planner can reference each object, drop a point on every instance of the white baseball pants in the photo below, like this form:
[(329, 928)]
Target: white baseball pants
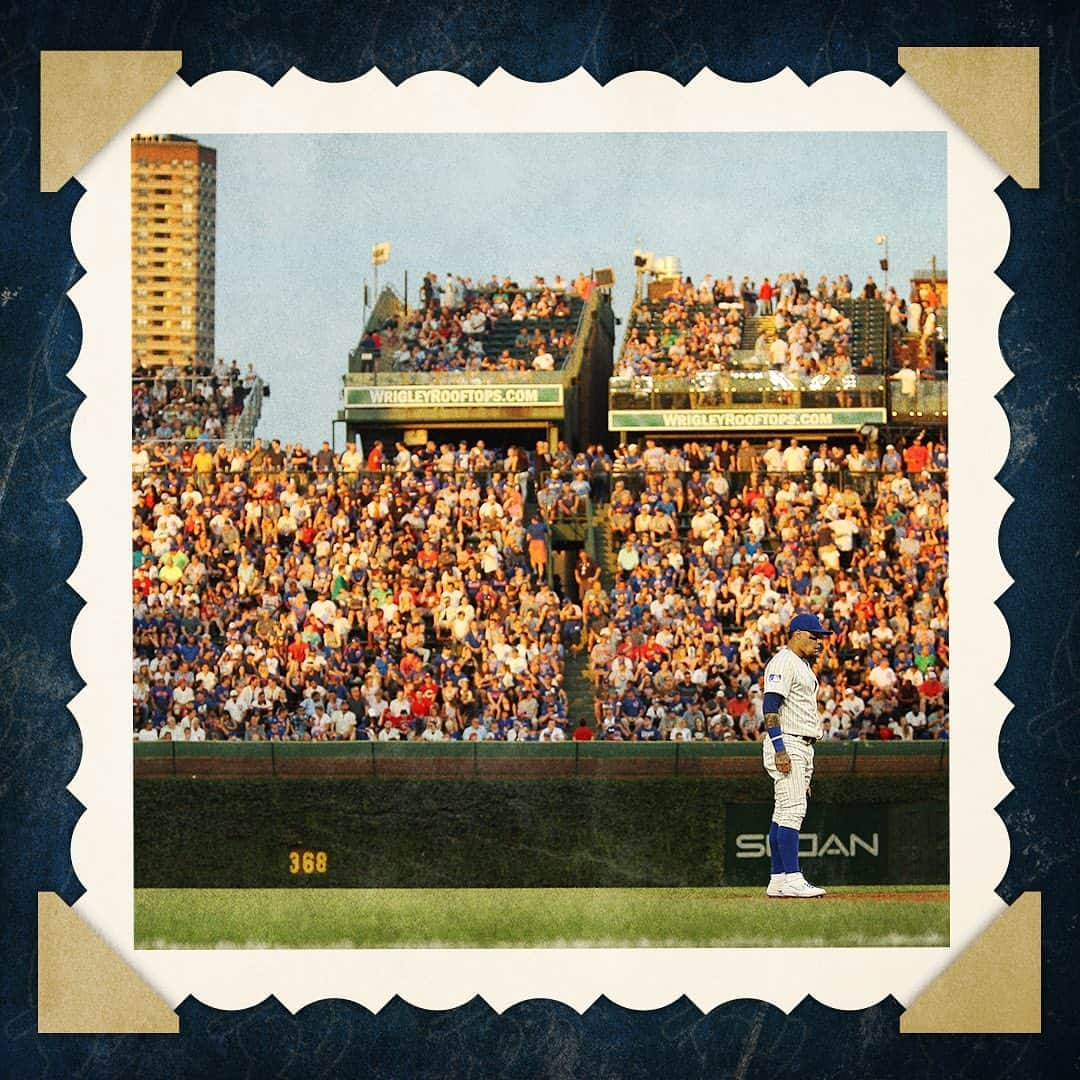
[(789, 792)]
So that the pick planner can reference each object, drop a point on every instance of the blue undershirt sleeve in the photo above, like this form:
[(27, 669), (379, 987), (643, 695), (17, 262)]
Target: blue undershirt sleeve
[(772, 703)]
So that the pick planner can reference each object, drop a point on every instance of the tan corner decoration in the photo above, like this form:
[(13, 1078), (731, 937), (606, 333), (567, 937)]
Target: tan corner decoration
[(86, 97), (994, 987), (84, 987), (992, 93)]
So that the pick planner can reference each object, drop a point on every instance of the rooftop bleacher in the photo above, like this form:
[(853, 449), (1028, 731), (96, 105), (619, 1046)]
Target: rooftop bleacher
[(518, 324), (803, 350)]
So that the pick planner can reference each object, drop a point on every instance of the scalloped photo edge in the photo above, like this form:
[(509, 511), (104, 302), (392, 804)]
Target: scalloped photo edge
[(645, 978)]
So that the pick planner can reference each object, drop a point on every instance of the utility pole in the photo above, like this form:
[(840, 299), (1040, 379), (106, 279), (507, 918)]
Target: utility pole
[(883, 241)]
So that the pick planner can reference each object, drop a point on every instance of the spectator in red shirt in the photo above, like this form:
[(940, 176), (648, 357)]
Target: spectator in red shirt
[(298, 650), (375, 457), (765, 292), (916, 456), (738, 706), (583, 733), (763, 566), (422, 698), (931, 687)]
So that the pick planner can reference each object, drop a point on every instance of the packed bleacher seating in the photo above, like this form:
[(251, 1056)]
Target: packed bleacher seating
[(282, 593), (710, 570), (286, 595), (682, 330), (466, 326), (680, 334), (187, 402)]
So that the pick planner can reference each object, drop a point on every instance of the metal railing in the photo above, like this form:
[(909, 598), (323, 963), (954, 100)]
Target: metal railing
[(187, 380), (929, 402), (240, 430), (863, 482), (453, 378), (308, 474), (635, 481), (581, 333), (721, 389), (236, 429)]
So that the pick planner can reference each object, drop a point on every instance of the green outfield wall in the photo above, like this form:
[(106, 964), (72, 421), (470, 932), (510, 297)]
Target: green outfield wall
[(486, 760), (536, 816)]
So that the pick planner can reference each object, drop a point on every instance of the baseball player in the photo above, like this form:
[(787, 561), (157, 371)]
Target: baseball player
[(793, 725)]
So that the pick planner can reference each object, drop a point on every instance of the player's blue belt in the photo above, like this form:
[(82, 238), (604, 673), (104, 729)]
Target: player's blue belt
[(804, 738)]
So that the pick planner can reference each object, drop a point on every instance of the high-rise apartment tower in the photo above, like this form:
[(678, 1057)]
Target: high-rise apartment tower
[(173, 217)]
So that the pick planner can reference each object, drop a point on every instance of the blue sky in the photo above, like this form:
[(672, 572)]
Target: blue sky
[(298, 215)]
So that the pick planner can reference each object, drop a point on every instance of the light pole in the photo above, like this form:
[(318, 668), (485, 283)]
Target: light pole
[(883, 241), (642, 263)]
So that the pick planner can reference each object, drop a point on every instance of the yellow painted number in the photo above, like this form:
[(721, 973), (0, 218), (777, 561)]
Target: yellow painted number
[(307, 862)]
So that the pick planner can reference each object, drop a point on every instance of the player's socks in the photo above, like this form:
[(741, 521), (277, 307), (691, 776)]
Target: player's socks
[(774, 850), (787, 840)]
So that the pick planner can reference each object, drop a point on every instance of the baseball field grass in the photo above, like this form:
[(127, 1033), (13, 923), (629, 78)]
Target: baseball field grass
[(538, 918)]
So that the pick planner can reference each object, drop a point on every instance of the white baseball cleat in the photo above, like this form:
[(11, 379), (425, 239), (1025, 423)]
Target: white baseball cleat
[(797, 886), (776, 884)]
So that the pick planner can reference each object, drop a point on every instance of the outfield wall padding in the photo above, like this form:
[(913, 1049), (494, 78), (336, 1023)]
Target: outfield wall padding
[(483, 831), (540, 760)]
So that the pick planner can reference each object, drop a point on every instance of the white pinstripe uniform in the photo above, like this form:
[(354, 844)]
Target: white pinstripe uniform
[(793, 678)]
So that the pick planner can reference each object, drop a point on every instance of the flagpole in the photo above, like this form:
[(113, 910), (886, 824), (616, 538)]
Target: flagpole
[(380, 253)]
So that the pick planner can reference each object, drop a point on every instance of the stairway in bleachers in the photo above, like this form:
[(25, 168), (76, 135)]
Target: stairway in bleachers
[(579, 688), (605, 547), (753, 326)]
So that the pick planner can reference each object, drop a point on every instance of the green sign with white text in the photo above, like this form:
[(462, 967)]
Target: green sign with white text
[(452, 397), (845, 843), (680, 420), (840, 843)]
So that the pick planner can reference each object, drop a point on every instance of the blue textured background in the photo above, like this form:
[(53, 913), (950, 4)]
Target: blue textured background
[(39, 538)]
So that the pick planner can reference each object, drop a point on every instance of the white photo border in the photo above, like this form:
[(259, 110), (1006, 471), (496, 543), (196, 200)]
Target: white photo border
[(645, 978)]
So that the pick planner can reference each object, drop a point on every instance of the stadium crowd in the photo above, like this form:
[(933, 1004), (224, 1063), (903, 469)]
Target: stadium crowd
[(282, 593), (452, 329), (187, 403), (710, 572), (698, 329)]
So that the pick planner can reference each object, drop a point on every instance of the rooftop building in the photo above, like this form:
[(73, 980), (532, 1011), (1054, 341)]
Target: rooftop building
[(173, 220)]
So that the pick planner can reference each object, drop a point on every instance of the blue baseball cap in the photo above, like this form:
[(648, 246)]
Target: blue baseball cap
[(810, 623)]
